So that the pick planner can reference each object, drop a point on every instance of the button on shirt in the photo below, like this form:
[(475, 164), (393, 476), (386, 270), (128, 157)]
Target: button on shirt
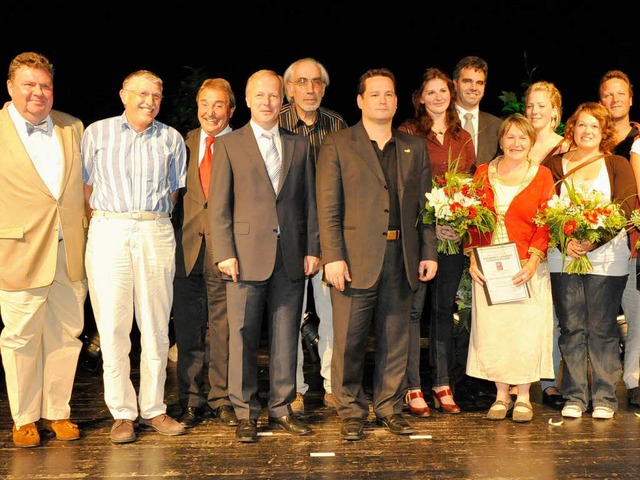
[(133, 171)]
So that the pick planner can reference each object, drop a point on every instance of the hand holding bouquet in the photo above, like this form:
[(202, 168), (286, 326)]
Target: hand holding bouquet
[(456, 200), (580, 215)]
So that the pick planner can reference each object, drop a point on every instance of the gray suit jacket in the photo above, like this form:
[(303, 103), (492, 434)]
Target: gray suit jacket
[(488, 141), (248, 212), (353, 204)]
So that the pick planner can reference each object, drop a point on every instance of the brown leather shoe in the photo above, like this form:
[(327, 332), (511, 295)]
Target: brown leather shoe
[(26, 436), (122, 431), (163, 424), (64, 429)]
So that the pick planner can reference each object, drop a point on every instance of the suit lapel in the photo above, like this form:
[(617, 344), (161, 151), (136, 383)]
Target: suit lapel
[(16, 153), (364, 151), (253, 154)]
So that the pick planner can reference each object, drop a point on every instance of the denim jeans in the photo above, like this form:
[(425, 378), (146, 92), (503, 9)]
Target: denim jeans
[(587, 308), (631, 309)]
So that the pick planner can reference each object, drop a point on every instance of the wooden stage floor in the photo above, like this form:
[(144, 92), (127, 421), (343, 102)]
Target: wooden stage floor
[(465, 446)]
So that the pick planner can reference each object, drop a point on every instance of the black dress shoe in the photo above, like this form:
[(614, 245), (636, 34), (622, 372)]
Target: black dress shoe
[(396, 424), (225, 415), (190, 417), (247, 430), (291, 424), (352, 428), (553, 400)]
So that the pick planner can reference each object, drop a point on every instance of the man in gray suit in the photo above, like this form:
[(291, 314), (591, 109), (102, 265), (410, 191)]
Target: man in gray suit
[(371, 185), (264, 234), (470, 80)]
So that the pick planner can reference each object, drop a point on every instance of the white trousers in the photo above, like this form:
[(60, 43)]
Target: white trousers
[(322, 301), (631, 308), (130, 268), (40, 345)]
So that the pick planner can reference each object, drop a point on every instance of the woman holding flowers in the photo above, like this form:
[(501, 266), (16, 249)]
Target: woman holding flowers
[(511, 343), (450, 148), (589, 267), (543, 106)]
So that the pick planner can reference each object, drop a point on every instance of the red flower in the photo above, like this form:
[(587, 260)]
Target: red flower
[(472, 212), (570, 227), (591, 216)]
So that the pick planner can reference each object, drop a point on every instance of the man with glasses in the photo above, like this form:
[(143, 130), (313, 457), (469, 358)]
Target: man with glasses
[(133, 167), (306, 81)]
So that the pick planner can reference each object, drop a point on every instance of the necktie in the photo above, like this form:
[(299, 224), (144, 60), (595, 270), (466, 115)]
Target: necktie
[(205, 167), (272, 161), (42, 126), (468, 126)]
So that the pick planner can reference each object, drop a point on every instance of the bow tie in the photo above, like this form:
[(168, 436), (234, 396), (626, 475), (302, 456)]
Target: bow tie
[(42, 126)]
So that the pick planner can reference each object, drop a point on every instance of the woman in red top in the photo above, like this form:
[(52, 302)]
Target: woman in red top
[(450, 147)]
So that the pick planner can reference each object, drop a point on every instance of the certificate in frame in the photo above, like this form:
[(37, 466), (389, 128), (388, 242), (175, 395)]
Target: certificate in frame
[(499, 263)]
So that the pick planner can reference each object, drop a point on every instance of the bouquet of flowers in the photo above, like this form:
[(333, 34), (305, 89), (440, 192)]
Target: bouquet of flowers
[(583, 215), (456, 200)]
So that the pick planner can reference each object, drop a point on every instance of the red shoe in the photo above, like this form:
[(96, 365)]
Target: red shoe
[(414, 397), (445, 407)]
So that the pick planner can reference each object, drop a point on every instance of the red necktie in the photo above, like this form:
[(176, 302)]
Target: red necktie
[(205, 167)]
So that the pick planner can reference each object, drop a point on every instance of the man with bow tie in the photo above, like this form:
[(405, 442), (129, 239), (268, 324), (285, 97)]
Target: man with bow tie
[(43, 230)]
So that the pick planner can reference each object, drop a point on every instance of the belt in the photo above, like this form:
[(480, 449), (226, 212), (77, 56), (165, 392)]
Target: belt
[(393, 235), (131, 215)]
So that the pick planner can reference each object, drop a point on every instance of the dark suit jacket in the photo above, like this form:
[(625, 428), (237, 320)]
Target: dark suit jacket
[(247, 211), (488, 141), (189, 216), (353, 204)]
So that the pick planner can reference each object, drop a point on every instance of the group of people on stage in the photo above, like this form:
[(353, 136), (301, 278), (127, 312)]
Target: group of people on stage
[(227, 227)]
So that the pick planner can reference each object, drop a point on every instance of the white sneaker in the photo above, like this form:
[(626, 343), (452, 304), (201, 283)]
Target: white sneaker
[(603, 413), (572, 411)]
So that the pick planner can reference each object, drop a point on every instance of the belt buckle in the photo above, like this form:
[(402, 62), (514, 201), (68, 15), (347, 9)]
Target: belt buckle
[(393, 234), (136, 215)]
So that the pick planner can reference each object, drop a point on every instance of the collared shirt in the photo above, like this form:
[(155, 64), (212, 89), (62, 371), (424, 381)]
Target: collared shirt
[(264, 144), (475, 120), (43, 149), (203, 141), (131, 171), (389, 163), (326, 121)]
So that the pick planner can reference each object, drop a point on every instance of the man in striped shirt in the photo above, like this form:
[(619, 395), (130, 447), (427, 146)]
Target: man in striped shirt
[(306, 81), (133, 167)]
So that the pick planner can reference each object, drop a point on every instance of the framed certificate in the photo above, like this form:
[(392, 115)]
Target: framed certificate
[(499, 263)]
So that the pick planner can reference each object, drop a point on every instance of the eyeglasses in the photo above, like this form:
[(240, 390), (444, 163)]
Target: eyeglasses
[(144, 94), (303, 82)]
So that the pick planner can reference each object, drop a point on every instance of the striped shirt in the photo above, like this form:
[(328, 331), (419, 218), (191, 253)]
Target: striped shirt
[(326, 121), (131, 171)]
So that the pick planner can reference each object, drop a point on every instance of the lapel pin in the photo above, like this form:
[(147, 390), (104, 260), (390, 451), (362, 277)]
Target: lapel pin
[(407, 150)]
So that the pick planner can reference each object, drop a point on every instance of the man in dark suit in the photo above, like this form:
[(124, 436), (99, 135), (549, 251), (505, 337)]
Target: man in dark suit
[(371, 185), (470, 80), (264, 234), (200, 299)]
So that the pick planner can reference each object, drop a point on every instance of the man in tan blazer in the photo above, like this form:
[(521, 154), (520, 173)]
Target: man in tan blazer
[(264, 235), (42, 242), (371, 185)]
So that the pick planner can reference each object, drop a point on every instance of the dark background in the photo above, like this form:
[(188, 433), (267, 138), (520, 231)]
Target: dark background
[(95, 45)]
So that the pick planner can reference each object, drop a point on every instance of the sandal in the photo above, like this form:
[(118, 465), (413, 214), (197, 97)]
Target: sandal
[(522, 412), (499, 410)]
